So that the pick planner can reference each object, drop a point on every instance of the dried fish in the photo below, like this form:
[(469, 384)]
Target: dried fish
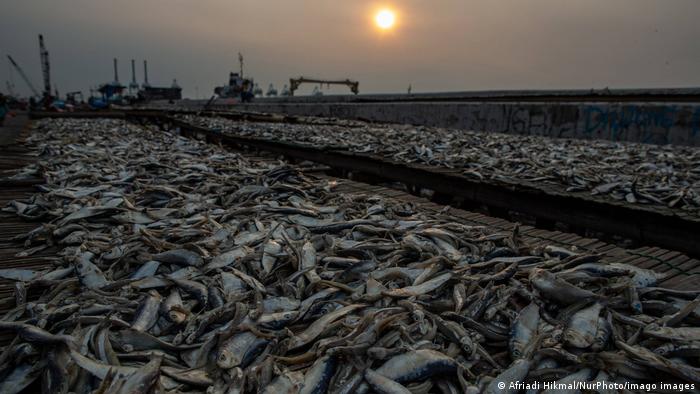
[(187, 268), (660, 175)]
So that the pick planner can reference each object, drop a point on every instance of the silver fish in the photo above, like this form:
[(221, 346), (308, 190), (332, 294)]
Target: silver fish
[(179, 257), (147, 314)]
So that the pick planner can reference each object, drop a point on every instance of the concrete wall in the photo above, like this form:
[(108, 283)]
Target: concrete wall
[(578, 95), (657, 123)]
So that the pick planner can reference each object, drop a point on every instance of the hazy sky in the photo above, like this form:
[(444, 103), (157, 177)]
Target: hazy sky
[(437, 45)]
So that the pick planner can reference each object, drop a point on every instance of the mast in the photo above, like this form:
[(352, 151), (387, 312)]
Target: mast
[(145, 73), (116, 72), (45, 66), (133, 86)]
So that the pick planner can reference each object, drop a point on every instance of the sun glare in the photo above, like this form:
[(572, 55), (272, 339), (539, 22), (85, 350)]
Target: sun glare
[(385, 19)]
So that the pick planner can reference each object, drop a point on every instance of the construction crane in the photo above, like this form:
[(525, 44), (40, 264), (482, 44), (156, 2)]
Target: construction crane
[(133, 86), (24, 76), (45, 66), (294, 84), (145, 74), (116, 72)]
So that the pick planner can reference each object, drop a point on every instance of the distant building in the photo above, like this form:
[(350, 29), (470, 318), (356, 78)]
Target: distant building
[(155, 93)]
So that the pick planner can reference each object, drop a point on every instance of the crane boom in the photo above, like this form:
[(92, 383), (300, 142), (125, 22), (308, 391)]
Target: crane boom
[(294, 83), (23, 75), (45, 67)]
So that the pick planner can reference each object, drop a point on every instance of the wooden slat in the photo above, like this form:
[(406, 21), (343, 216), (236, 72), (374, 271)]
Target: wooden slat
[(664, 257), (684, 283)]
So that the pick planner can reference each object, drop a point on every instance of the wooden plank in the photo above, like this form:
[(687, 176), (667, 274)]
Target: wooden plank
[(626, 258), (537, 233), (670, 254), (664, 259), (561, 237), (607, 248), (504, 224), (684, 283), (677, 266), (473, 215), (525, 228), (586, 242), (653, 261), (690, 265), (637, 261), (596, 247)]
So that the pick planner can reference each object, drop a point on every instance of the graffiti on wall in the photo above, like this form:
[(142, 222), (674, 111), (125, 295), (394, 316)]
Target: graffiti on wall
[(649, 124), (659, 124), (696, 124)]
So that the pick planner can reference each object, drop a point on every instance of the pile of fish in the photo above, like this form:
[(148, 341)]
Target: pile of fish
[(186, 268), (629, 172)]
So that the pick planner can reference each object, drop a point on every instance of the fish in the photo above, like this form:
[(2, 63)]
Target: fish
[(228, 258), (173, 307), (317, 379), (384, 385), (147, 270), (426, 287), (147, 313), (90, 275), (308, 262), (179, 257), (196, 289), (23, 275), (183, 266), (516, 372), (583, 375), (417, 365), (20, 377), (672, 333), (141, 381), (286, 383), (239, 350), (319, 325), (524, 330), (271, 252), (100, 370), (37, 335), (558, 290), (87, 213), (582, 328), (193, 377)]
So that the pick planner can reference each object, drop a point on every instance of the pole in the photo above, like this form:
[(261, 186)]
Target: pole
[(116, 73), (145, 73)]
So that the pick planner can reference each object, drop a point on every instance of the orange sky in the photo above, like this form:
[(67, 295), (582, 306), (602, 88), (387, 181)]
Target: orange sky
[(438, 45)]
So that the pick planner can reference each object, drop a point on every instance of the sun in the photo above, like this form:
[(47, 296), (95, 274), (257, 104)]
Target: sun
[(385, 19)]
